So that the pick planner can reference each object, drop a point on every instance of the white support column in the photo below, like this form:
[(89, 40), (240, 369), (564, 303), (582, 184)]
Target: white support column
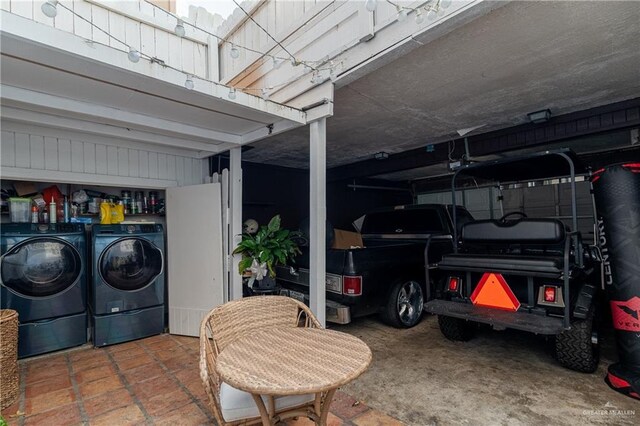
[(318, 215), (235, 220)]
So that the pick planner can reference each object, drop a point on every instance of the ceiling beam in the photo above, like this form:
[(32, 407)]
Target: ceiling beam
[(56, 122), (43, 102), (31, 41), (625, 114)]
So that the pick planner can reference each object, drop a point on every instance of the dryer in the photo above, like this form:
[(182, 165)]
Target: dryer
[(128, 282), (43, 277)]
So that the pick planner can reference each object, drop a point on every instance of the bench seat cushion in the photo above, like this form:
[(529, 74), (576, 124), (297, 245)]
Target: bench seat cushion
[(525, 231), (517, 264), (236, 404)]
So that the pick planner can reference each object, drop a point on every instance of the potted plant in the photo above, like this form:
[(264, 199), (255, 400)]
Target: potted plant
[(269, 247)]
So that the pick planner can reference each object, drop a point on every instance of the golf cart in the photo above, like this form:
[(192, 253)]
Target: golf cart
[(530, 274)]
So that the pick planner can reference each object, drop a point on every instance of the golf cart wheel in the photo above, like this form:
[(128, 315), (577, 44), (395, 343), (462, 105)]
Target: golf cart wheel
[(577, 348), (404, 306), (456, 329)]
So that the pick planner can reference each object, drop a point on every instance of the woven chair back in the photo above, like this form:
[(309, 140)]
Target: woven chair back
[(241, 317)]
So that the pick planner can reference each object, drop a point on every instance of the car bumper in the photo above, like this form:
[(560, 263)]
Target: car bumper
[(497, 318), (335, 313)]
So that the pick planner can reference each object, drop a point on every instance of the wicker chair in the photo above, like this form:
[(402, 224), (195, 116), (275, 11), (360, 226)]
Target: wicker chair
[(236, 319)]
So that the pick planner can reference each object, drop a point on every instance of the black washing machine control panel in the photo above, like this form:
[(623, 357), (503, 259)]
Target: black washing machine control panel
[(127, 229)]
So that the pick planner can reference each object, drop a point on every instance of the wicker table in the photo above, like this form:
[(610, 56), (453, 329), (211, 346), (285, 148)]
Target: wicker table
[(293, 361)]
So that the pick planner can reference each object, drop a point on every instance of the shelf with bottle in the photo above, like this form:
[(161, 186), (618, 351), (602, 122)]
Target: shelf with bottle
[(126, 215)]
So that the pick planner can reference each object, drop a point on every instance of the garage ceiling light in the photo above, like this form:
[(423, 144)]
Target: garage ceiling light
[(539, 116)]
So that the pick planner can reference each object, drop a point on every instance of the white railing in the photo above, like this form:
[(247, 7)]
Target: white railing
[(137, 23)]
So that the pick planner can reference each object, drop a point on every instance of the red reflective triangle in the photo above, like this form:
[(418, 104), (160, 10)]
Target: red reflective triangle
[(493, 291)]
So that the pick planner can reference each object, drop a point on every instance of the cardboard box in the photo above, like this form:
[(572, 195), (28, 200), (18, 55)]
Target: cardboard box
[(25, 188), (346, 240)]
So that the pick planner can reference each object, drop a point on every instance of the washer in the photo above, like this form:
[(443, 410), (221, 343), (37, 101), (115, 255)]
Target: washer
[(43, 277), (128, 282)]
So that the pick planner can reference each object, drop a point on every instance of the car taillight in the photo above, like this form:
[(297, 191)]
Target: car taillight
[(597, 175), (550, 294), (634, 167), (454, 284), (352, 286)]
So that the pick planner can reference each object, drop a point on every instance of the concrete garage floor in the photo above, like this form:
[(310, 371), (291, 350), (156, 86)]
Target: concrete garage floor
[(498, 378)]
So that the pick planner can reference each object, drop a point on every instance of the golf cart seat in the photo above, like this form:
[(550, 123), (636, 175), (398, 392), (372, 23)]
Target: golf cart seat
[(521, 265), (523, 247), (524, 231)]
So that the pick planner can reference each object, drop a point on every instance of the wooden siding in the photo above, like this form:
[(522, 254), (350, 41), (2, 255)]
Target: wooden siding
[(79, 158), (311, 30), (136, 23)]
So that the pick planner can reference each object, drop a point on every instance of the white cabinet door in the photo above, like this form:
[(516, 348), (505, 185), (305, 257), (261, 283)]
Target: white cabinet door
[(194, 255)]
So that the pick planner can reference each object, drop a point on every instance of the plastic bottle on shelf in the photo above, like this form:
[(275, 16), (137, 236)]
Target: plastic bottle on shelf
[(126, 201), (45, 215), (66, 210), (138, 201), (153, 202), (52, 211), (34, 214)]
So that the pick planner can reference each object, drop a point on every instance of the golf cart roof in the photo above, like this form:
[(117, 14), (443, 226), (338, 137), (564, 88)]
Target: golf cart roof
[(526, 167)]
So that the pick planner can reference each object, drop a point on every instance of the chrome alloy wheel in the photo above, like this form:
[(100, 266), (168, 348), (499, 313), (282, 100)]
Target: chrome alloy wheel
[(410, 303)]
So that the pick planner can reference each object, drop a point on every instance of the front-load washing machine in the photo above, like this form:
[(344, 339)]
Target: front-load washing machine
[(43, 278), (128, 282)]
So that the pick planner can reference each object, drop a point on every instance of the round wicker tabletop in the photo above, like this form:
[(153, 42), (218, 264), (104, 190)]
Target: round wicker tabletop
[(293, 361)]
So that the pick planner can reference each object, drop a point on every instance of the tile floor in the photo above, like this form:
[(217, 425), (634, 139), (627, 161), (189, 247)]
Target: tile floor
[(153, 381)]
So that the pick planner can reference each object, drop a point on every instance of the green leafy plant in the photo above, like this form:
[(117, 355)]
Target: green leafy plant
[(270, 245)]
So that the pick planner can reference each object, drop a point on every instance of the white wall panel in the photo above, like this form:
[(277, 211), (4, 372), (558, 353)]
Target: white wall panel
[(132, 33), (36, 151), (162, 166), (135, 23), (77, 156), (180, 170), (188, 63), (64, 155), (89, 157), (123, 161), (22, 8), (171, 167), (134, 163), (112, 160), (162, 45), (144, 164), (22, 150), (44, 156), (101, 159), (50, 153), (117, 30), (148, 41), (100, 17), (8, 152), (64, 19), (153, 165), (81, 27)]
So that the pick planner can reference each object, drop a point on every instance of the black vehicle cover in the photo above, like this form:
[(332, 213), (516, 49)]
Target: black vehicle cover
[(617, 195)]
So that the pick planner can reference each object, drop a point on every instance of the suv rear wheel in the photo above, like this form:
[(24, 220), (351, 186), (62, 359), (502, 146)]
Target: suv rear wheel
[(577, 348), (404, 306), (456, 329)]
